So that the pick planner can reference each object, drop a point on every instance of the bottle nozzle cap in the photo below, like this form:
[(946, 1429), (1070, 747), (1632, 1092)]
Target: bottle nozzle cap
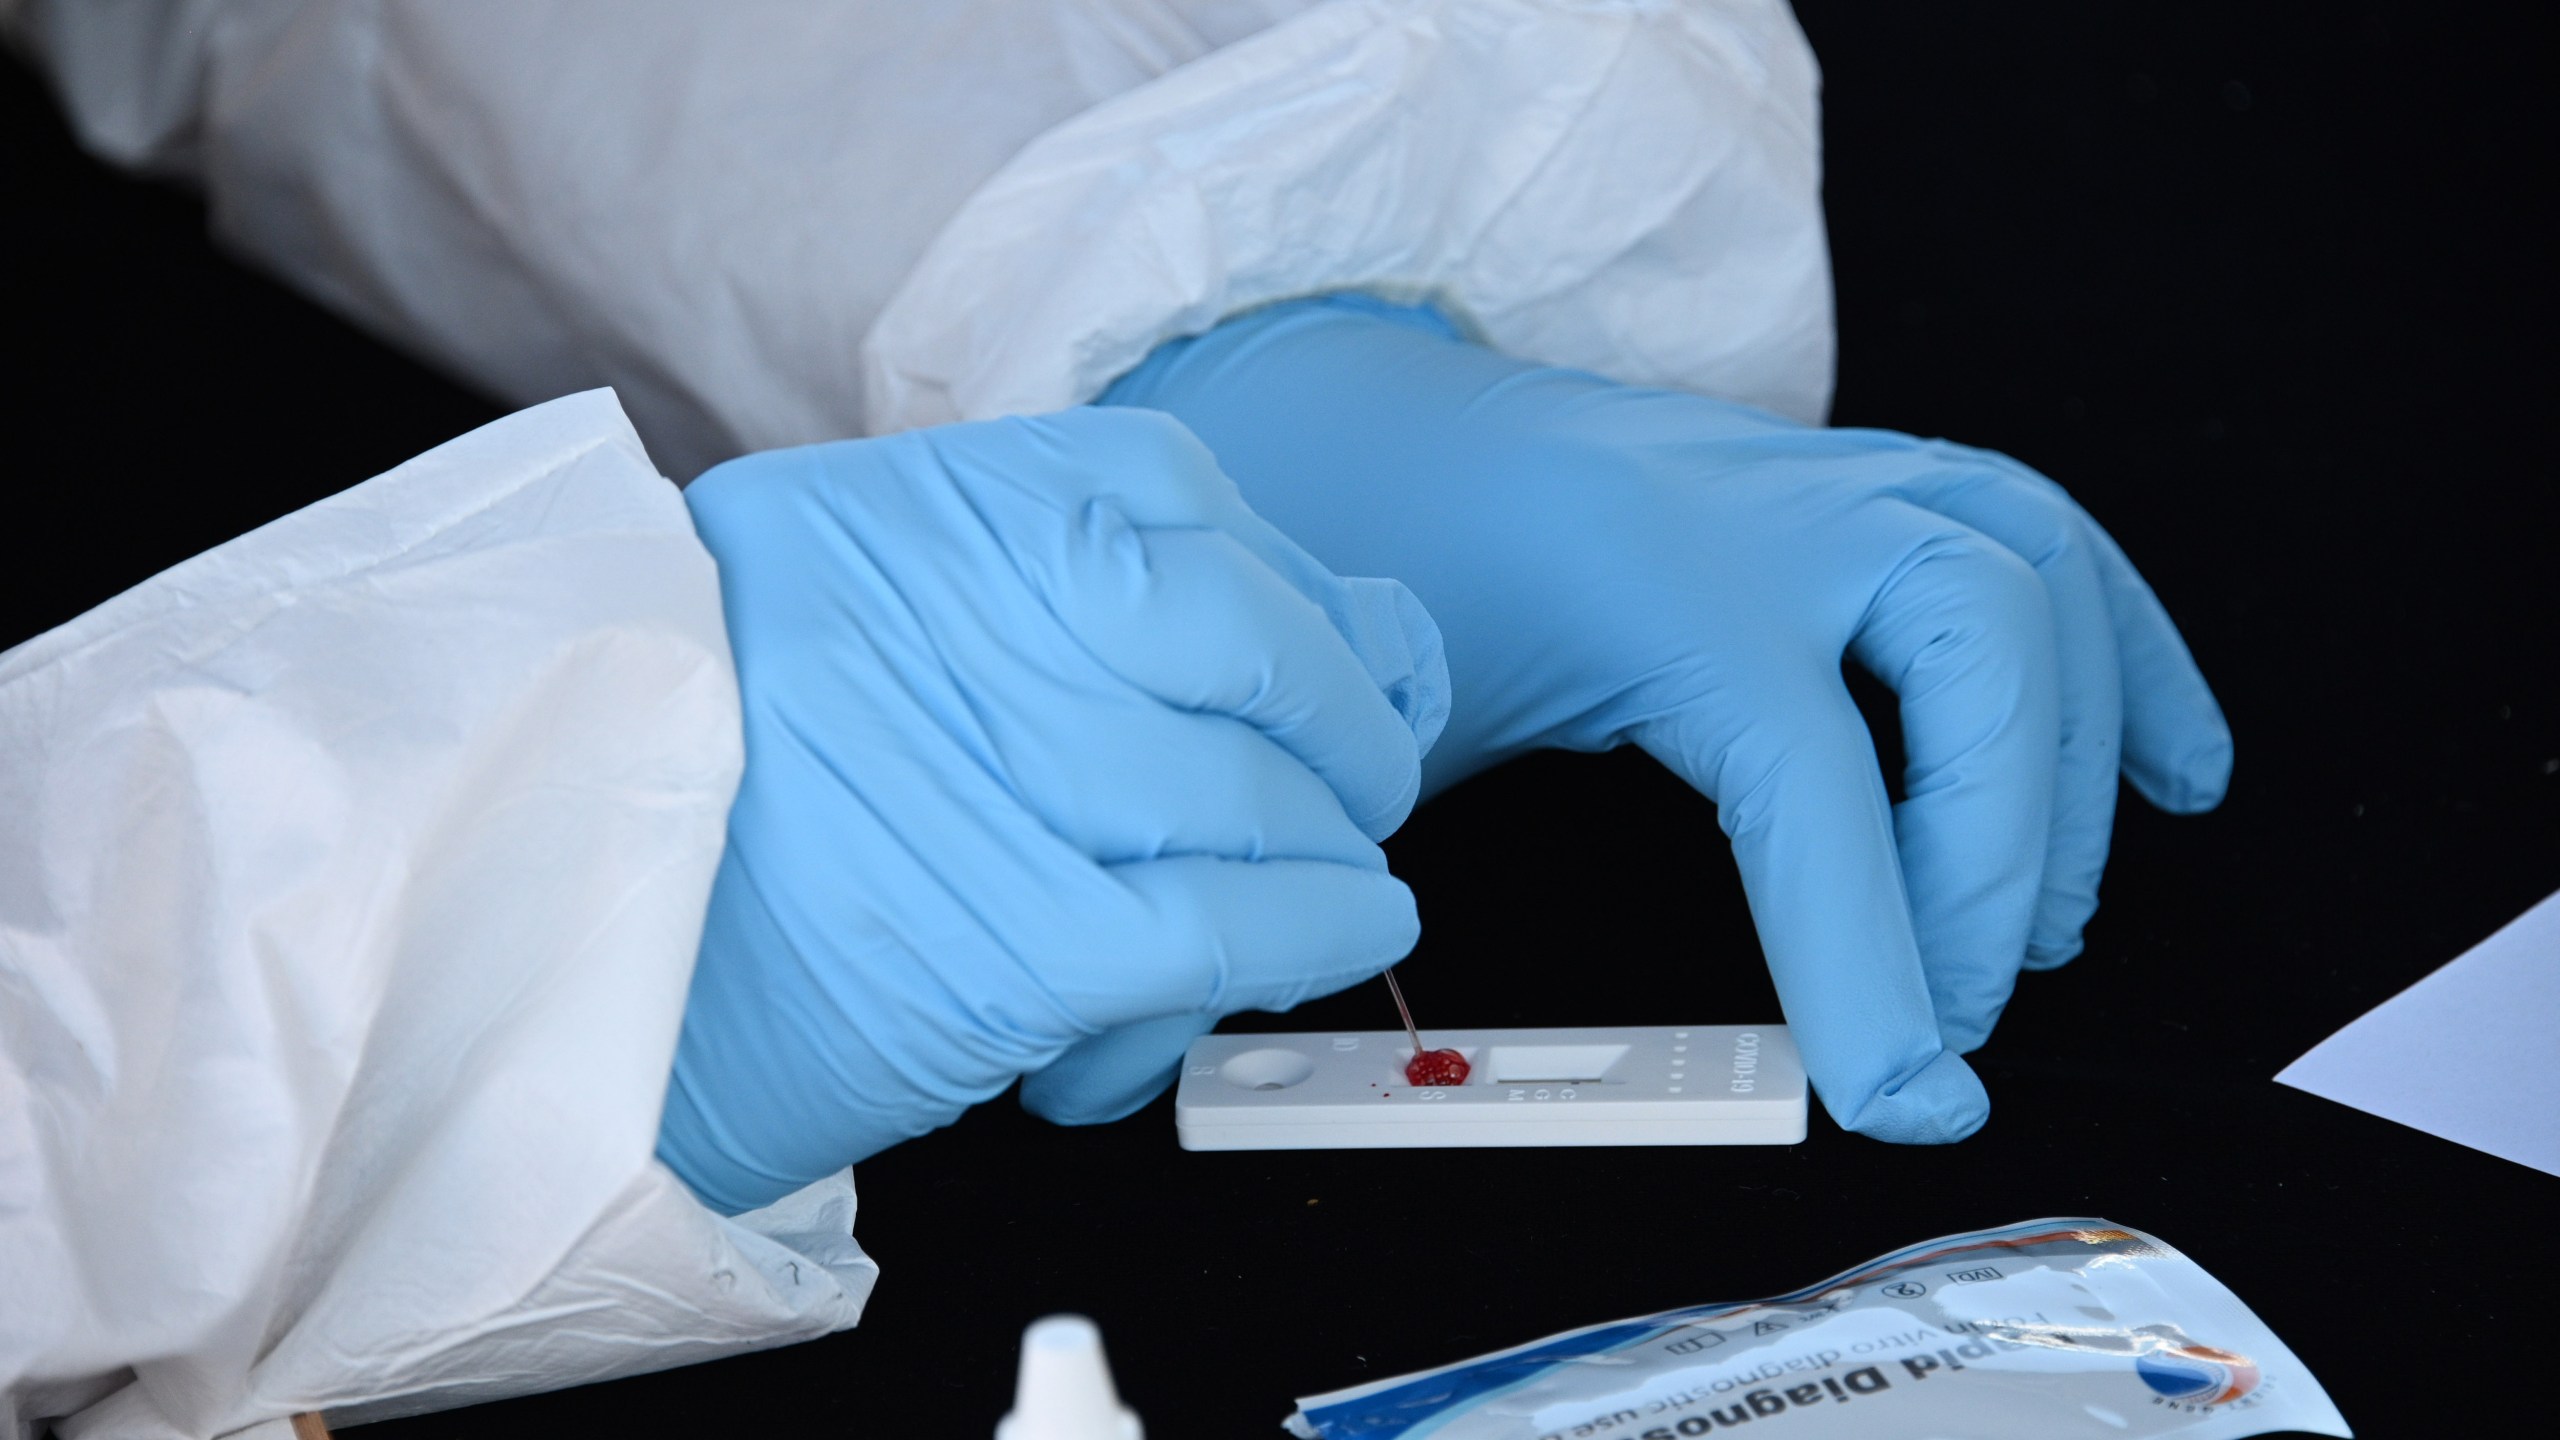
[(1064, 1390)]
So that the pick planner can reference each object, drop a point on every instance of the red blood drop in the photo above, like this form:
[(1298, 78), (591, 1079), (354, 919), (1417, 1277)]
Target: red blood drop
[(1437, 1068)]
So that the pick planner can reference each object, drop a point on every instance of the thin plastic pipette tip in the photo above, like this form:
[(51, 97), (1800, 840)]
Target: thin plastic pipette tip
[(1401, 1009)]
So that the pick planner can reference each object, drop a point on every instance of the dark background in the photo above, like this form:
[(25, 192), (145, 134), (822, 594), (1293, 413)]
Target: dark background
[(2256, 281)]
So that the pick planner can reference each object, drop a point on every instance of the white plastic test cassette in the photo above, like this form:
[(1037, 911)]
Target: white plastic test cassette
[(1682, 1085)]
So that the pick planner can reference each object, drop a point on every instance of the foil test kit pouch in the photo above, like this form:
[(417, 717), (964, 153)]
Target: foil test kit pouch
[(2046, 1330)]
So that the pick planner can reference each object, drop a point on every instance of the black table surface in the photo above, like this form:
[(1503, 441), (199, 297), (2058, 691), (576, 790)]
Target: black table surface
[(2258, 282)]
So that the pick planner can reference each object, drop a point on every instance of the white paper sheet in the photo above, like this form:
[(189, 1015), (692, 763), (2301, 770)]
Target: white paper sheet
[(2471, 1053)]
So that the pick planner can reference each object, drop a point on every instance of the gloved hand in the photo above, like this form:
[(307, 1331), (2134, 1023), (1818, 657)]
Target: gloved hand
[(1611, 564), (1055, 754)]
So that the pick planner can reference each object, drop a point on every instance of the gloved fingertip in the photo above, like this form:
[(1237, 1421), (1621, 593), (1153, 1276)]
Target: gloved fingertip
[(1109, 1076), (2053, 952), (1940, 1103), (1399, 645), (1425, 705), (1389, 817), (2191, 784), (1082, 1096), (2205, 776)]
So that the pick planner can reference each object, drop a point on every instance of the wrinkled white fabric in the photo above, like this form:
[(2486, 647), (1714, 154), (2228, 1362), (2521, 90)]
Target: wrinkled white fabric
[(350, 880), (702, 206), (771, 222), (1629, 188)]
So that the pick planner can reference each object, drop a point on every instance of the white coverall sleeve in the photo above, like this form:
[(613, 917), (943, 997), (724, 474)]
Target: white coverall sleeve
[(350, 880), (769, 222)]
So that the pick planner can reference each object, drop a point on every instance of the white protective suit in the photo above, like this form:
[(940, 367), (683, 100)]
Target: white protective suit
[(350, 873)]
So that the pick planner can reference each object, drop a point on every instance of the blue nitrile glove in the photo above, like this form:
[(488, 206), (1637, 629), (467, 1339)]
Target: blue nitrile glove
[(1612, 564), (1055, 754)]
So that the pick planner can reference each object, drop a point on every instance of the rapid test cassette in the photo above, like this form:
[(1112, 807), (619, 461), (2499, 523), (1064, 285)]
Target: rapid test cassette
[(1678, 1085)]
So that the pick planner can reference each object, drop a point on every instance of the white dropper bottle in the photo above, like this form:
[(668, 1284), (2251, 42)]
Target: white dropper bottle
[(1064, 1389)]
